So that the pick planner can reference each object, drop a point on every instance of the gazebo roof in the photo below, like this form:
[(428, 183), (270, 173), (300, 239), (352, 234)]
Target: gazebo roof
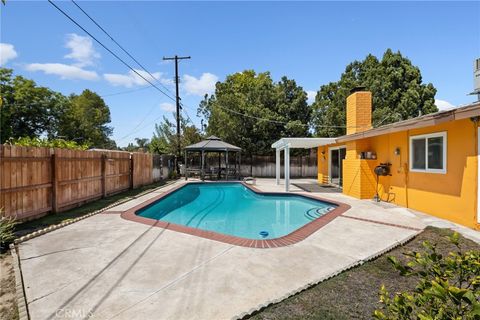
[(212, 143)]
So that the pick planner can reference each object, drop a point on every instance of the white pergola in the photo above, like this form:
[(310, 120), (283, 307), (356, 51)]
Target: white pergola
[(286, 144)]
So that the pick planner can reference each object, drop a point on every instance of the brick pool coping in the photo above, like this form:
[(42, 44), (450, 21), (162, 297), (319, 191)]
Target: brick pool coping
[(289, 239)]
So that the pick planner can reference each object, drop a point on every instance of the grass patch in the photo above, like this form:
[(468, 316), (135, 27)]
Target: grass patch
[(52, 219), (354, 293)]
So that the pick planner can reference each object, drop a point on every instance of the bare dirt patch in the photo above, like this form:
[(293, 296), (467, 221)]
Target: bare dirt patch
[(8, 303)]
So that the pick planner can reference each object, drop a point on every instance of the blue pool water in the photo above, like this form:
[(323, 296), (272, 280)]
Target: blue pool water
[(233, 209)]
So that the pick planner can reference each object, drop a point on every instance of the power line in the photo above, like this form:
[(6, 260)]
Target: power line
[(257, 118), (186, 113), (120, 46), (125, 92), (280, 122), (144, 118), (110, 51), (139, 129)]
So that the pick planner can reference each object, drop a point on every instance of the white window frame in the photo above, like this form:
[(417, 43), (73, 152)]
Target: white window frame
[(426, 137)]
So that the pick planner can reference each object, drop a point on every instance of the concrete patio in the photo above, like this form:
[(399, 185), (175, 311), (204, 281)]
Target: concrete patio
[(105, 267)]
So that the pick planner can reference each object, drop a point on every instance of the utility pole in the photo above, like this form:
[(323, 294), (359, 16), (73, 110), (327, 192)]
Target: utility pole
[(177, 100)]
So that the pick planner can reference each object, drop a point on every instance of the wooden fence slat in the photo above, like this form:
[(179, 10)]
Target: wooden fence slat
[(13, 181), (6, 182), (55, 177), (26, 188), (104, 175), (24, 182)]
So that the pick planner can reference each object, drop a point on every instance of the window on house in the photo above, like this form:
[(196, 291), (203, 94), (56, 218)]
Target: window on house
[(428, 153)]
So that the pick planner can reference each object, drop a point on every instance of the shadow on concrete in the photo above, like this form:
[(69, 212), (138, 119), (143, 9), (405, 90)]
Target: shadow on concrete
[(315, 187), (98, 274)]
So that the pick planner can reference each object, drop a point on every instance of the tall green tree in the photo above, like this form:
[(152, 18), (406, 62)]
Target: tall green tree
[(85, 119), (165, 141), (140, 145), (251, 111), (31, 111), (397, 89), (26, 109)]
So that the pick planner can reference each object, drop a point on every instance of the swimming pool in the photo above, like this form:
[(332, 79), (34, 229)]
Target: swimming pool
[(235, 210)]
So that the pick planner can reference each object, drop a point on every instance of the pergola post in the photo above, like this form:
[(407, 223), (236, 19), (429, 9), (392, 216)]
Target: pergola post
[(219, 173), (226, 165), (277, 166), (203, 166), (235, 163), (186, 166), (239, 164), (287, 168)]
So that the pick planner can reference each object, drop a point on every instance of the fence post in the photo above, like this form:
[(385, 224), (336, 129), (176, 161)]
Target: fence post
[(104, 175), (251, 165), (54, 173), (131, 170), (301, 166), (161, 167)]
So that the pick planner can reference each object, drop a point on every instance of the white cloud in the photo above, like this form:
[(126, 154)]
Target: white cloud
[(311, 96), (132, 79), (167, 107), (82, 50), (65, 71), (201, 86), (7, 53), (443, 105)]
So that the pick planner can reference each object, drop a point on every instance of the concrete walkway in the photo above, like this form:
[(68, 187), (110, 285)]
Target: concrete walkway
[(105, 267)]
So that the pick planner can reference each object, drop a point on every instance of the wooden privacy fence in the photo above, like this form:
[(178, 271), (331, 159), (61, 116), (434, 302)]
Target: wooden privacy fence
[(264, 166), (34, 181), (142, 169)]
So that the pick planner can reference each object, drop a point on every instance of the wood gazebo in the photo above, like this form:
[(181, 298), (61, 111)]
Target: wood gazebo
[(216, 146)]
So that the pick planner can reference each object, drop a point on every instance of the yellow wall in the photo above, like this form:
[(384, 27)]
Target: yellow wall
[(452, 196)]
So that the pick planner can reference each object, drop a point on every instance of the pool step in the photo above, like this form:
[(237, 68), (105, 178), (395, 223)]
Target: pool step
[(315, 213)]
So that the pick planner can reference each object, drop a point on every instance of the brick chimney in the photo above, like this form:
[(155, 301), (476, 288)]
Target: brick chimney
[(359, 110)]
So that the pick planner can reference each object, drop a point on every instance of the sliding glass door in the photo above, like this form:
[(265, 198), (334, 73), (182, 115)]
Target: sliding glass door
[(337, 154)]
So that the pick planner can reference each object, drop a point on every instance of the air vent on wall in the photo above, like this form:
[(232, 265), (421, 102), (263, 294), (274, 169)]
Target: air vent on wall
[(476, 78)]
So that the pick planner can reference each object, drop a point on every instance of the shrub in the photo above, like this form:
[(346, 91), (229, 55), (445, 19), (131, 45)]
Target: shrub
[(448, 287), (49, 143), (7, 231)]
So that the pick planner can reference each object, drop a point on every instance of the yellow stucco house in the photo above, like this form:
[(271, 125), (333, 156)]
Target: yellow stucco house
[(432, 160)]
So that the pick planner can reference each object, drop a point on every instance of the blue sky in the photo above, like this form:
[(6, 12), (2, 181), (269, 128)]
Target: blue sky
[(311, 42)]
